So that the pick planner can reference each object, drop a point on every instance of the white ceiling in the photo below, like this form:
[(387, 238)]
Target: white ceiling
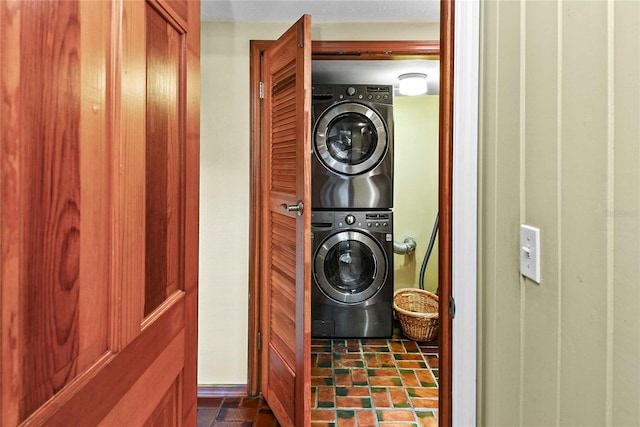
[(321, 11)]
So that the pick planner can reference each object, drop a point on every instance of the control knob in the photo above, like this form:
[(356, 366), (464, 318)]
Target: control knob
[(351, 91), (350, 219)]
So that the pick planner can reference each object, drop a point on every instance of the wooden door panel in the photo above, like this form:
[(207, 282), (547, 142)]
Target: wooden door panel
[(128, 172), (99, 165), (139, 406), (281, 398), (285, 258), (116, 376), (168, 412), (58, 318), (162, 162), (282, 325)]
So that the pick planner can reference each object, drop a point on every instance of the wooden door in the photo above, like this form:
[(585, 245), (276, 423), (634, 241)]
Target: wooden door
[(286, 244), (99, 212)]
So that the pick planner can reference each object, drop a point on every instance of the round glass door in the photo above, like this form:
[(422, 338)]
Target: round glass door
[(350, 267), (350, 138)]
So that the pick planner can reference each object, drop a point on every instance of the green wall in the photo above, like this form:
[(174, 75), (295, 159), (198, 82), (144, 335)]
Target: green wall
[(560, 150), (415, 203)]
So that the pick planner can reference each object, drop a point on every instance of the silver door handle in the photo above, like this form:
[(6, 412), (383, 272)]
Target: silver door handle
[(294, 208)]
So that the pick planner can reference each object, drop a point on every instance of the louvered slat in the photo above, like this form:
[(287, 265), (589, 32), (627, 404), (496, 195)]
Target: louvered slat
[(283, 156), (283, 281)]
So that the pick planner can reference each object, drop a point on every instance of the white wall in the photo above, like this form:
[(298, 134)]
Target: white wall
[(224, 185), (415, 195)]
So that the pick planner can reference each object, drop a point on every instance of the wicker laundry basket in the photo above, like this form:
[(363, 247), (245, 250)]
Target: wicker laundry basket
[(418, 313)]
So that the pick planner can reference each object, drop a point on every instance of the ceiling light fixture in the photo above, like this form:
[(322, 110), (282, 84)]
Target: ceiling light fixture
[(412, 84)]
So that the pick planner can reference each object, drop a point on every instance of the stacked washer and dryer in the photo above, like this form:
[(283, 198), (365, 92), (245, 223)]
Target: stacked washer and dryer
[(352, 221)]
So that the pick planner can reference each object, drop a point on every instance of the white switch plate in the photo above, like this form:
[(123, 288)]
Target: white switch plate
[(530, 252)]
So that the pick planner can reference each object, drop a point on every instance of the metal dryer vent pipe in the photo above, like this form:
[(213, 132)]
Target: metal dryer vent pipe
[(406, 248)]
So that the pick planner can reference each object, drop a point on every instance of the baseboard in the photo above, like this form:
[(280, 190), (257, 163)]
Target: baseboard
[(221, 390)]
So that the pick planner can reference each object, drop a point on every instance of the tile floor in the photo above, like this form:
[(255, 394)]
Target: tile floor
[(373, 382), (355, 382)]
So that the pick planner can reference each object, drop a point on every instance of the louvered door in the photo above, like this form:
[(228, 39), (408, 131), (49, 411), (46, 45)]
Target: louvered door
[(286, 215)]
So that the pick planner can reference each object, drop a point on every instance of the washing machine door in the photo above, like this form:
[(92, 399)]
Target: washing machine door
[(350, 267), (350, 138)]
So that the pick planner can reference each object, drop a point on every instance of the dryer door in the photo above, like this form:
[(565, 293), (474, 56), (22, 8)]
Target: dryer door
[(350, 267), (350, 138)]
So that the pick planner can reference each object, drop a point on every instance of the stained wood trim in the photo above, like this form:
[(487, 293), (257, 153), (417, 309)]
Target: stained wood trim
[(11, 168), (255, 229), (336, 50), (190, 79), (115, 124), (445, 203), (303, 262), (175, 12), (217, 391)]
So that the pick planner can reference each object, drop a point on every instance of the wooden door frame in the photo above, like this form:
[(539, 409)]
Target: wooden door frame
[(445, 209), (367, 50)]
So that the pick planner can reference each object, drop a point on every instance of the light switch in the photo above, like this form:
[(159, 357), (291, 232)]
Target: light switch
[(530, 252)]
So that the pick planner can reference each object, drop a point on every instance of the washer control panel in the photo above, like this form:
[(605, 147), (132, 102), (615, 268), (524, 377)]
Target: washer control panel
[(379, 221), (373, 221)]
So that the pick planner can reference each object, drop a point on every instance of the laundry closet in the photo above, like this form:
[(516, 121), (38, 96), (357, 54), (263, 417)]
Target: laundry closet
[(374, 188), (228, 179), (374, 191)]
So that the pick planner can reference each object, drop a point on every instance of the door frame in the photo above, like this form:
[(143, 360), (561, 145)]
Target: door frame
[(360, 50), (462, 133)]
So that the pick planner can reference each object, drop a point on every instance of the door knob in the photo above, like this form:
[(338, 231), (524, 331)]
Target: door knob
[(294, 208)]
